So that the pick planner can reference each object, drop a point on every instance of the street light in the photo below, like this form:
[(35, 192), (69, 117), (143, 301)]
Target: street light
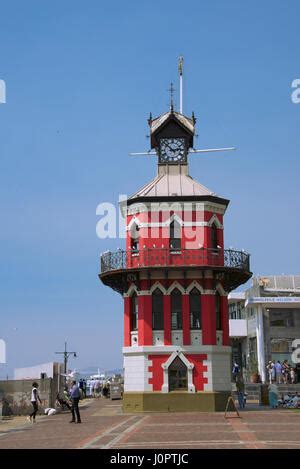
[(66, 355)]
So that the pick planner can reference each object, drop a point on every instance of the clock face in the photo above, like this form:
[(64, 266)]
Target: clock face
[(172, 150)]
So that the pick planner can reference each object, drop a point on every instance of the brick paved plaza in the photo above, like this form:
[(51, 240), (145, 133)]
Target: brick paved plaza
[(105, 426)]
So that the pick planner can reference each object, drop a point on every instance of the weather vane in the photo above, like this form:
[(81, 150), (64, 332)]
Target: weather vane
[(171, 91)]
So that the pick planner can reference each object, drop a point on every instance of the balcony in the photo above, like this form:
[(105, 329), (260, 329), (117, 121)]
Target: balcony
[(237, 328), (233, 265)]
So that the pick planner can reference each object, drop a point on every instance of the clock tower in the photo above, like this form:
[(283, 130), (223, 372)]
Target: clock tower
[(174, 276)]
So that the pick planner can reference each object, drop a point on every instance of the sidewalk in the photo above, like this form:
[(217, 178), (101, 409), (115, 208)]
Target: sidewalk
[(104, 426)]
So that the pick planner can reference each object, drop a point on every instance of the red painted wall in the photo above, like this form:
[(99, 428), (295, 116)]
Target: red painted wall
[(209, 333), (145, 320), (225, 320), (157, 372), (167, 320), (127, 335), (186, 319), (199, 369), (157, 379)]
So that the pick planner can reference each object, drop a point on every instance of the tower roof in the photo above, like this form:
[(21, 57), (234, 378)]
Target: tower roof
[(174, 181), (173, 123)]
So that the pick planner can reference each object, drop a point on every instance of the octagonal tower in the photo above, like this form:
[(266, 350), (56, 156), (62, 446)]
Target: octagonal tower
[(174, 276)]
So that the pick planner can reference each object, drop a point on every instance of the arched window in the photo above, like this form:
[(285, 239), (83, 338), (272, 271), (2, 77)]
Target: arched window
[(175, 235), (176, 309), (177, 375), (157, 310), (134, 312), (134, 232), (214, 236), (195, 309), (218, 312)]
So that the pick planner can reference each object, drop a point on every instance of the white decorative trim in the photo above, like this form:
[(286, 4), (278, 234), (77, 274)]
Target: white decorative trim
[(209, 292), (157, 285), (177, 337), (131, 289), (165, 367), (158, 338), (214, 219), (133, 221), (167, 349), (166, 224), (175, 285), (220, 290), (142, 207), (194, 284), (134, 338)]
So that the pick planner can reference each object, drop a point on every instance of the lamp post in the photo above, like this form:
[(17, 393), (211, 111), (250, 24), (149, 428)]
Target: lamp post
[(66, 355)]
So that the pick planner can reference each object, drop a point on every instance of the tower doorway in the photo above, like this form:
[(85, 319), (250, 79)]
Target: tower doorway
[(178, 380)]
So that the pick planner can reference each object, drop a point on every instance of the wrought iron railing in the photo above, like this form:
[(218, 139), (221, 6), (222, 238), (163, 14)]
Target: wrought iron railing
[(165, 257)]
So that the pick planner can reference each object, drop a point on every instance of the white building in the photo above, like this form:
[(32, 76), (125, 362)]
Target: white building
[(264, 323)]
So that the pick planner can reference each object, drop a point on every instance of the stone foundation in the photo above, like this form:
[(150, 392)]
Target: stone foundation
[(175, 401)]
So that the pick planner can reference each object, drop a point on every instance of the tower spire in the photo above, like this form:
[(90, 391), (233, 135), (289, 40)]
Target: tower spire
[(171, 90)]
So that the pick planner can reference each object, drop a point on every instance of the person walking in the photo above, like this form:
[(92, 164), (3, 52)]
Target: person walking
[(84, 388), (35, 398), (235, 371), (75, 396)]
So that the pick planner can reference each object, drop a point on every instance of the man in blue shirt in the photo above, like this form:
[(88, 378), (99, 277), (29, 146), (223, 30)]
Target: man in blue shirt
[(75, 396), (278, 369)]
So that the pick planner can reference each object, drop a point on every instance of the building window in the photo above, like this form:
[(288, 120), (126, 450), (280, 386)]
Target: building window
[(237, 310), (134, 312), (195, 309), (214, 236), (157, 310), (218, 312), (232, 311), (175, 236), (177, 376), (176, 309), (281, 318), (252, 344), (135, 237)]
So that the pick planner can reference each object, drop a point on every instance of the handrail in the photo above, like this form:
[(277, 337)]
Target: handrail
[(166, 257)]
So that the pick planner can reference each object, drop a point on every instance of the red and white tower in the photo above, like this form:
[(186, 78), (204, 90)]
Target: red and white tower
[(175, 276)]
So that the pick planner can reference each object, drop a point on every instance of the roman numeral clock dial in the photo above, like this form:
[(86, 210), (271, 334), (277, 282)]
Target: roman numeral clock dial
[(172, 150)]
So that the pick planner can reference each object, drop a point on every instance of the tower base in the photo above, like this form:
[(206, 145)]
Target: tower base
[(180, 401)]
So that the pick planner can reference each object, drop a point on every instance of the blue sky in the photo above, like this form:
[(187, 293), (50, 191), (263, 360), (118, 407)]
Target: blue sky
[(81, 80)]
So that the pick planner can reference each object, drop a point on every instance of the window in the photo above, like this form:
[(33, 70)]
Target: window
[(281, 318), (157, 310), (236, 310), (214, 236), (195, 309), (177, 375), (218, 312), (232, 311), (175, 235), (176, 310), (134, 312), (135, 237)]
